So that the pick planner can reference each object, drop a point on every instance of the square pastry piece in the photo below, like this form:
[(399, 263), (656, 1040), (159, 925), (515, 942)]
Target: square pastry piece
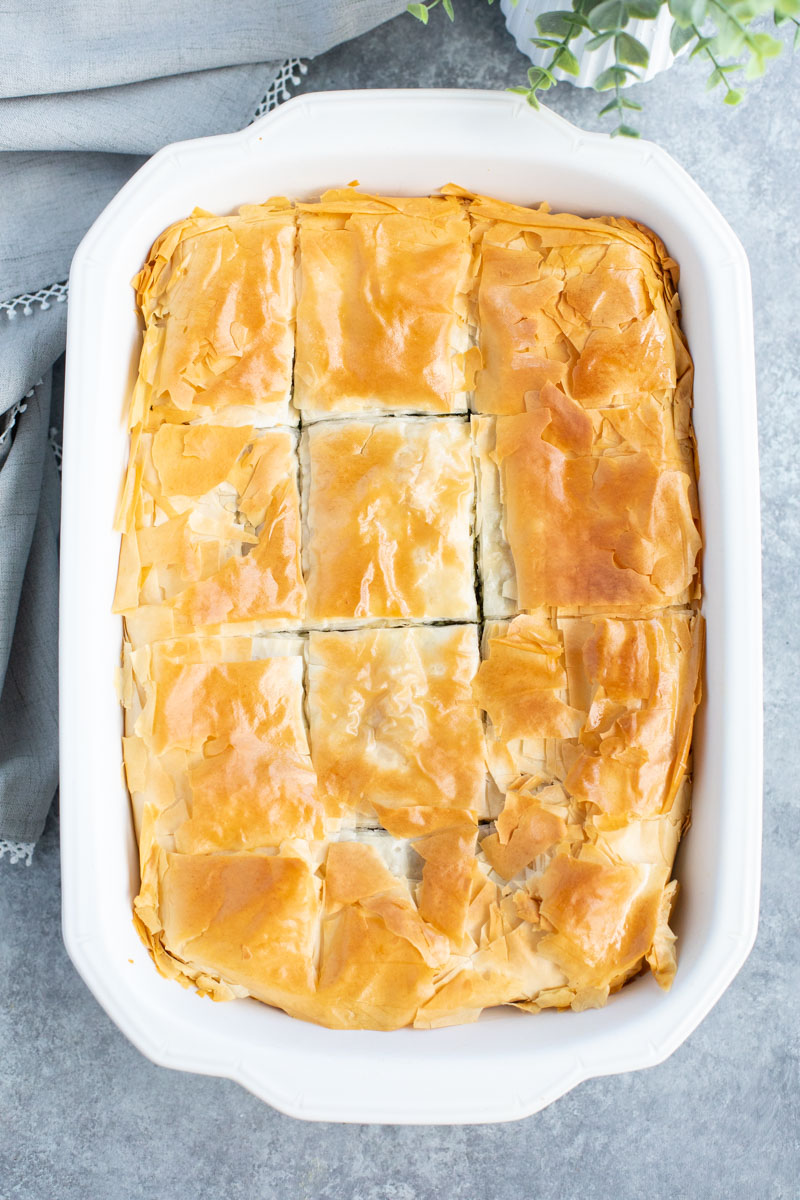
[(395, 734), (381, 318), (602, 705), (235, 924), (216, 751), (217, 297), (585, 509), (388, 514), (589, 306), (211, 532)]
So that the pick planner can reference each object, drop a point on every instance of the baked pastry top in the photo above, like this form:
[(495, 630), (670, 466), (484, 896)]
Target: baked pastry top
[(397, 739), (388, 511), (211, 532), (409, 691), (217, 296), (585, 368), (554, 531), (382, 308), (586, 305)]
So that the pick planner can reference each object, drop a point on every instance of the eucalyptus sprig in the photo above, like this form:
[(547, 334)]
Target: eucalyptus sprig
[(421, 11), (728, 34)]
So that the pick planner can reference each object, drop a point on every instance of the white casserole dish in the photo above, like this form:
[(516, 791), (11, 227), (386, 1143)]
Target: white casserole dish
[(509, 1064)]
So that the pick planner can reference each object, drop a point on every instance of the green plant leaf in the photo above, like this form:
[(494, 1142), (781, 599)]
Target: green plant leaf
[(746, 10), (787, 8), (542, 43), (567, 61), (625, 131), (630, 50), (645, 10), (610, 78), (596, 42), (552, 24), (734, 97), (715, 78), (518, 91), (729, 39), (419, 11), (617, 105), (765, 45), (447, 5), (762, 47), (576, 20), (700, 46), (679, 37), (541, 78), (688, 12), (611, 14)]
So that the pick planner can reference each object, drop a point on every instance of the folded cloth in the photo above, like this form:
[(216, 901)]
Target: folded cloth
[(87, 91)]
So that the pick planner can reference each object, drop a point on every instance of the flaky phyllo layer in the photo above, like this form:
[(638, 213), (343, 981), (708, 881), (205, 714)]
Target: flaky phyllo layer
[(410, 583)]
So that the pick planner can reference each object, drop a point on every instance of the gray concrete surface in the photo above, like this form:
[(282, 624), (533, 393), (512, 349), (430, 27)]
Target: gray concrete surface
[(82, 1114)]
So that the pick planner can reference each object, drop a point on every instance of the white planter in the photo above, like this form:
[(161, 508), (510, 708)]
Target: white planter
[(521, 24)]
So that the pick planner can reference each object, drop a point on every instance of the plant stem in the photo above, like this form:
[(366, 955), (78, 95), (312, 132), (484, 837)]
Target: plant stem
[(618, 85), (709, 53), (563, 44), (730, 15)]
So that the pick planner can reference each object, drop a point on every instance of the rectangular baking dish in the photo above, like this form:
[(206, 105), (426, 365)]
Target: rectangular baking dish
[(509, 1064)]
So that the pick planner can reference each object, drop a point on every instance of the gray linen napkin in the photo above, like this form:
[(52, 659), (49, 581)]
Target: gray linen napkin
[(88, 89)]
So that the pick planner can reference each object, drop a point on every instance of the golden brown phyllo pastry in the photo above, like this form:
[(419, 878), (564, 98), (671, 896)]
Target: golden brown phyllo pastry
[(409, 690)]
